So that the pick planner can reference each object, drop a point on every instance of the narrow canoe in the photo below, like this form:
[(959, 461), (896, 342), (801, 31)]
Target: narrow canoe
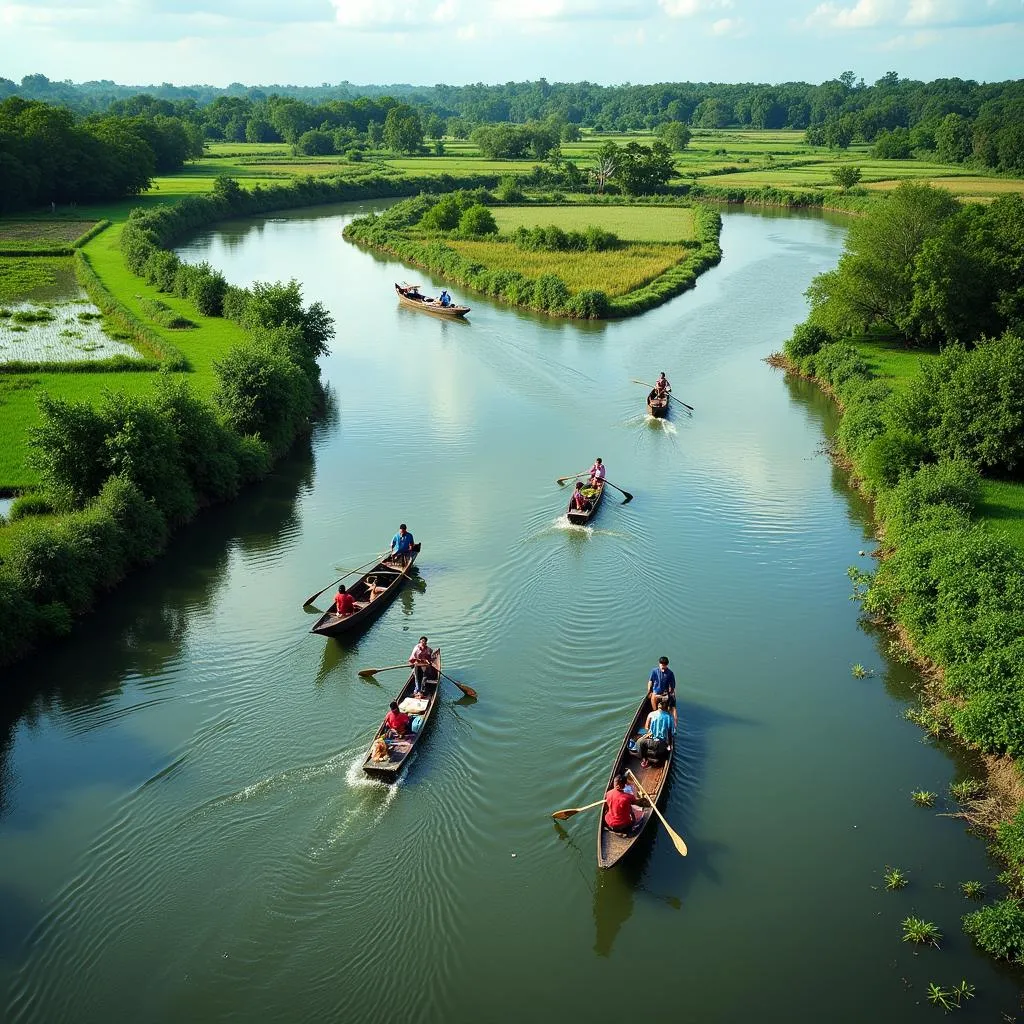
[(657, 406), (399, 750), (611, 846), (578, 518), (372, 593), (409, 295)]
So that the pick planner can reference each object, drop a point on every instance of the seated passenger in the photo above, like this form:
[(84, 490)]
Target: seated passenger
[(579, 502), (396, 722), (655, 745), (344, 604), (621, 813)]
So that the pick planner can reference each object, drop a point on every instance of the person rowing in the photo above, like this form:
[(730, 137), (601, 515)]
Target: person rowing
[(401, 545), (597, 473), (421, 659), (662, 386), (621, 814)]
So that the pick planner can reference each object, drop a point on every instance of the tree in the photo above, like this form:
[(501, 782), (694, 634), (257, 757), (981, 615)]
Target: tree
[(434, 128), (846, 176), (606, 165), (374, 135), (314, 143), (403, 132), (641, 170), (874, 281), (675, 135), (711, 113), (477, 220), (571, 132), (953, 139)]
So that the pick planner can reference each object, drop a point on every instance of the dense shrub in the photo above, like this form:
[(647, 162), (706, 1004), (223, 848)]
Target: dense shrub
[(162, 269), (889, 457), (444, 215), (550, 293), (589, 304), (953, 482), (999, 929), (553, 239), (34, 504), (67, 450), (477, 221), (863, 420), (807, 339)]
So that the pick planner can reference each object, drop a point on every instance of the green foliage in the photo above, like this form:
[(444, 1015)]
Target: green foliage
[(923, 797), (921, 932), (67, 450), (888, 458), (403, 130), (477, 221), (675, 135), (846, 176), (954, 483), (509, 189), (550, 293), (553, 239), (807, 339), (999, 929), (966, 789), (34, 504), (894, 878), (973, 890)]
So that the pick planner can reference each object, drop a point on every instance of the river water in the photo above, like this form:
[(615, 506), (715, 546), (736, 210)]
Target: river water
[(185, 833)]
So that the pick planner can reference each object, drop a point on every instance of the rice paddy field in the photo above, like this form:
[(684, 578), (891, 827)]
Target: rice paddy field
[(616, 272), (631, 223), (69, 332)]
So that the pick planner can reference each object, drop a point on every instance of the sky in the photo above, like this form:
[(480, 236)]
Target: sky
[(423, 42)]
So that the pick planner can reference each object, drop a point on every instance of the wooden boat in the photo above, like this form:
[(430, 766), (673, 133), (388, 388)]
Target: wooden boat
[(612, 846), (410, 295), (400, 749), (578, 518), (657, 405), (372, 593)]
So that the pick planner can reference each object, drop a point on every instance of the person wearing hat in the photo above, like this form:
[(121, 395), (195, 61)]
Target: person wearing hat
[(662, 682), (655, 744)]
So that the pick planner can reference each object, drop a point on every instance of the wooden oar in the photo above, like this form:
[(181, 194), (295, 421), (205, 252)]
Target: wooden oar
[(677, 840), (626, 494), (561, 479), (369, 673), (313, 597), (670, 395), (467, 690), (570, 811)]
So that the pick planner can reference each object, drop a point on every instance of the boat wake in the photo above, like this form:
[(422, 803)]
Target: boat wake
[(665, 425), (562, 523)]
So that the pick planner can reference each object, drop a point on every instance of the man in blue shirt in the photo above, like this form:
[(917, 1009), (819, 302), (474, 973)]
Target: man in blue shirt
[(401, 545), (654, 746), (662, 683)]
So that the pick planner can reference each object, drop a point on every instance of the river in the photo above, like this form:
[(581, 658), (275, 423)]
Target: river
[(185, 833)]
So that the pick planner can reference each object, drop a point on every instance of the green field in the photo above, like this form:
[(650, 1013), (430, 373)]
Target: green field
[(615, 272), (630, 223)]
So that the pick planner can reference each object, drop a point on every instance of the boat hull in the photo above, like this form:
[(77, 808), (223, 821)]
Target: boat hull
[(578, 518)]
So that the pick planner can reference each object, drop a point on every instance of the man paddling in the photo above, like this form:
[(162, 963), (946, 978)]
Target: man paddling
[(597, 473), (662, 683), (662, 386), (620, 812), (401, 545)]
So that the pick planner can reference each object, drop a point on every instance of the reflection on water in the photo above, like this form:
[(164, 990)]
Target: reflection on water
[(184, 824)]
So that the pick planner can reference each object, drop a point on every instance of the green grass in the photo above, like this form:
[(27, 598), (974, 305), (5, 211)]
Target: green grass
[(891, 360), (1002, 507), (31, 277), (615, 272), (630, 223)]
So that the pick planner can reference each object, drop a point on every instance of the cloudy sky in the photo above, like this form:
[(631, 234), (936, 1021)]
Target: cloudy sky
[(459, 41)]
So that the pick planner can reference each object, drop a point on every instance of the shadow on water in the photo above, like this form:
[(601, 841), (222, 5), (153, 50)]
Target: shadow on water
[(139, 638), (669, 877)]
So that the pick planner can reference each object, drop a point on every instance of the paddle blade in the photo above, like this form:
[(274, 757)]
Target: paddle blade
[(567, 813), (368, 673), (677, 840), (467, 690), (628, 498)]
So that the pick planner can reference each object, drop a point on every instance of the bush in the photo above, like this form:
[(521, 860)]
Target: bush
[(161, 269), (206, 291), (952, 482), (998, 929), (509, 190), (444, 215), (67, 450), (807, 339), (889, 457), (477, 221), (550, 293), (589, 304), (30, 505)]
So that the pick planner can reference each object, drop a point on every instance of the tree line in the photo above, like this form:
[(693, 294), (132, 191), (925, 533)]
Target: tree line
[(49, 154)]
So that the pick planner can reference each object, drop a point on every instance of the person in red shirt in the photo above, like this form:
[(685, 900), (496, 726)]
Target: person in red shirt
[(343, 602), (620, 815), (579, 502), (396, 722)]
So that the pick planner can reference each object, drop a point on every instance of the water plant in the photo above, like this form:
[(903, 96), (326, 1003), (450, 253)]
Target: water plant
[(859, 671), (973, 890), (966, 789), (923, 797), (894, 878), (963, 991), (921, 932), (940, 996)]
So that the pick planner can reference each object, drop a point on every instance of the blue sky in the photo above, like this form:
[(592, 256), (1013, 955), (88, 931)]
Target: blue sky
[(458, 41)]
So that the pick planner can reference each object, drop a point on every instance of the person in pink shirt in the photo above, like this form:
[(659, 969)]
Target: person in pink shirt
[(597, 473), (421, 659)]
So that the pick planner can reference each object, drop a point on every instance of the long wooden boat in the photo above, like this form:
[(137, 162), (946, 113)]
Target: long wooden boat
[(411, 296), (578, 518), (372, 593), (400, 749), (657, 405), (613, 846)]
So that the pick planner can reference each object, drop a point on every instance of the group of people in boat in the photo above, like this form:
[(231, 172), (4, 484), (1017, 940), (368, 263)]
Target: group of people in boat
[(399, 554), (582, 499), (622, 813), (399, 724)]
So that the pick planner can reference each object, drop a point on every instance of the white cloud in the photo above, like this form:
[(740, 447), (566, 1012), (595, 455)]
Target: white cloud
[(912, 41), (729, 27), (691, 8), (392, 15), (915, 13)]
